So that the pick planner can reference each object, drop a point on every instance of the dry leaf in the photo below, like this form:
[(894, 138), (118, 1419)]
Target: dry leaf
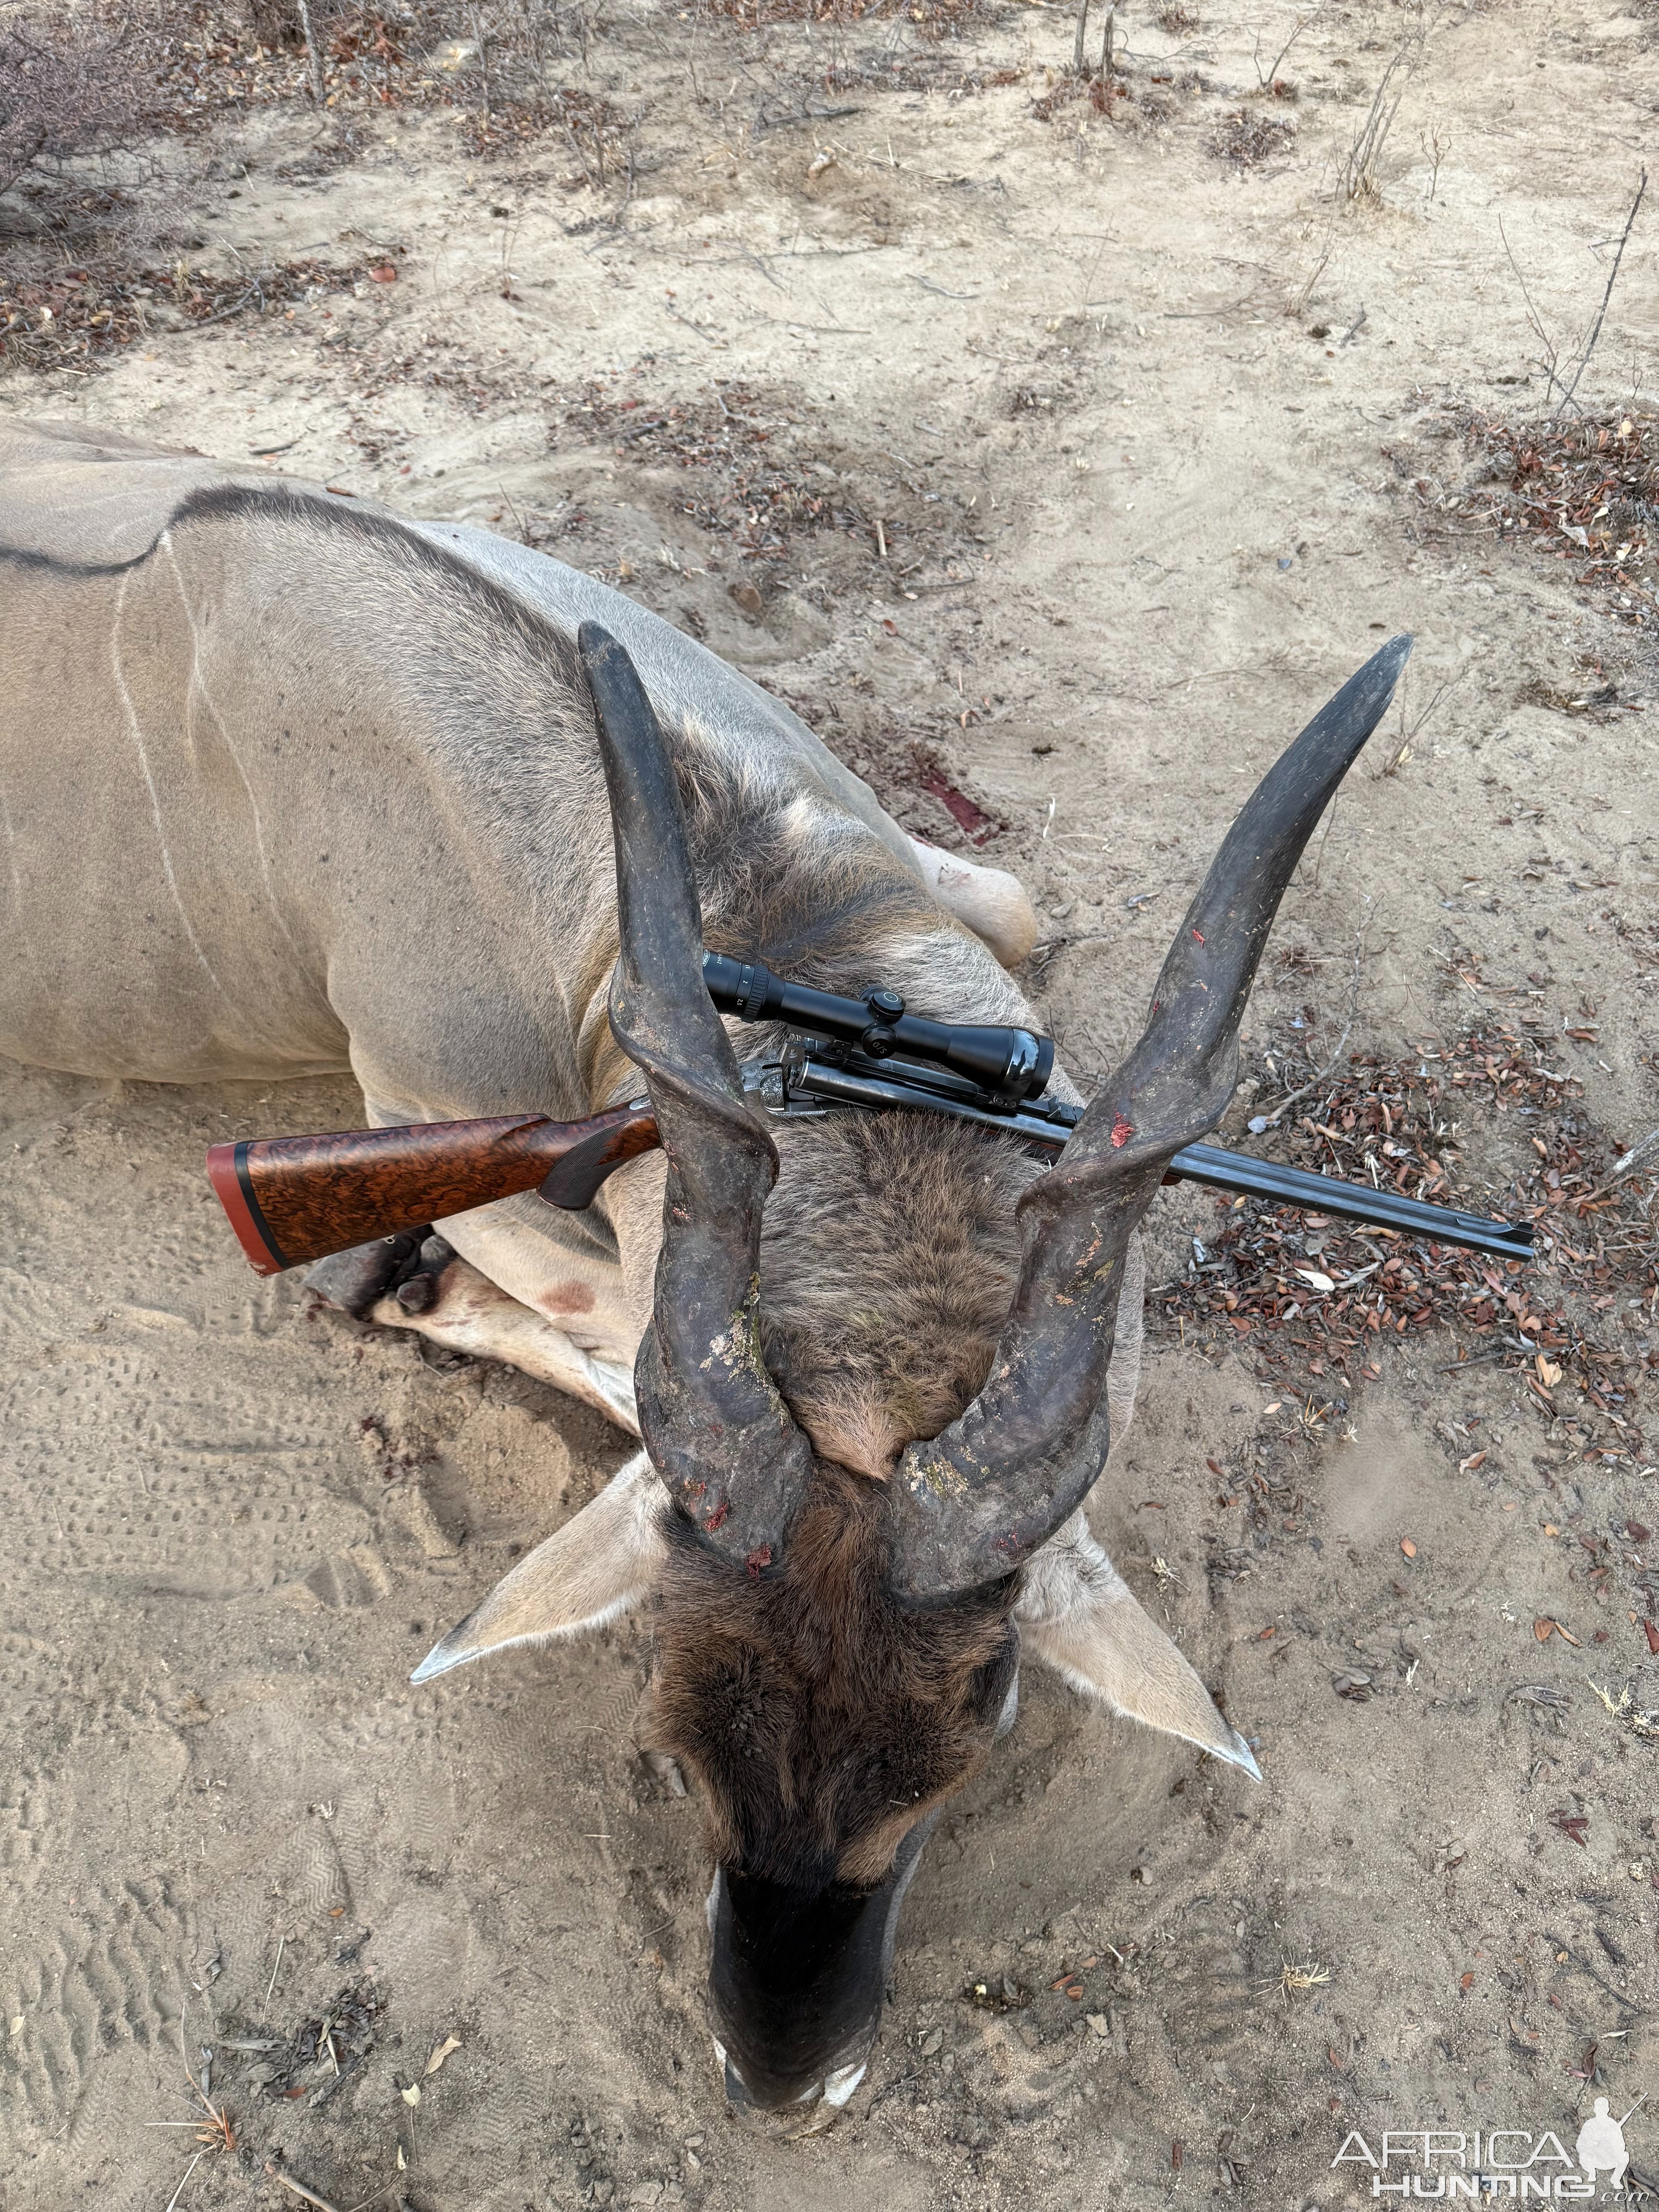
[(1312, 1275), (1468, 1466), (1548, 1373), (1408, 1547), (412, 2094), (1550, 1529), (450, 2043), (1544, 1628)]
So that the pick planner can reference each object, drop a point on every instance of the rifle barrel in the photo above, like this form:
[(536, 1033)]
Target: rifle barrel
[(1350, 1201)]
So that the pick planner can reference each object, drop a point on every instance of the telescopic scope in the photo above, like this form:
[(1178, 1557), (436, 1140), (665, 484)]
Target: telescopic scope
[(1010, 1064)]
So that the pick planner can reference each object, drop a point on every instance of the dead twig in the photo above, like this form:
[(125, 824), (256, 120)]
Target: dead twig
[(1080, 69), (287, 2181), (1536, 321), (1403, 752), (363, 2202), (1435, 150), (1304, 293), (1267, 79), (213, 2132), (1357, 178), (518, 523), (1259, 1122), (1612, 278), (189, 2170), (1319, 857), (1637, 1155), (313, 59)]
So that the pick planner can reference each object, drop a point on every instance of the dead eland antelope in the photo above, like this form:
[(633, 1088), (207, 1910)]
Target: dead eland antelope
[(345, 788)]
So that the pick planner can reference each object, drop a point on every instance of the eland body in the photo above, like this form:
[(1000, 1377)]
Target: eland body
[(290, 785)]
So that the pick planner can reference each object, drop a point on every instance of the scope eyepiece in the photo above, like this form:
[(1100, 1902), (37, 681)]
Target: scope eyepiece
[(1011, 1064)]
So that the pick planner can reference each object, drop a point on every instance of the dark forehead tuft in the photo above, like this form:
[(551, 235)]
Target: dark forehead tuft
[(815, 1708)]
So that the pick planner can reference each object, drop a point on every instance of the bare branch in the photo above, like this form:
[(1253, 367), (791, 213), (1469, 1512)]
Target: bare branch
[(1612, 278), (1272, 1121), (313, 59), (1535, 322), (1267, 81)]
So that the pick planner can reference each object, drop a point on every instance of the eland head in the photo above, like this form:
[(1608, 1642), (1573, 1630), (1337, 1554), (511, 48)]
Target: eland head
[(835, 1654)]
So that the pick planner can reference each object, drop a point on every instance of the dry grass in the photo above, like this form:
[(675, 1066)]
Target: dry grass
[(1299, 1981), (116, 76), (106, 120)]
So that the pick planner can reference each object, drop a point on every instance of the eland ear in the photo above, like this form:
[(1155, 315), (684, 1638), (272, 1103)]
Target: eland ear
[(1077, 1613), (603, 1561)]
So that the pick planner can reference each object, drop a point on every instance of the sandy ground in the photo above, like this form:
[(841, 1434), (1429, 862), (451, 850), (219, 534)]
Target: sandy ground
[(1140, 426)]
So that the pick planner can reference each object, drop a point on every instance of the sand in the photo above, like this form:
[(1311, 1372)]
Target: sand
[(1150, 519)]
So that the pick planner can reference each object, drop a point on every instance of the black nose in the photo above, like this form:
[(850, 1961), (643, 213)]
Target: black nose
[(797, 1977), (808, 2114)]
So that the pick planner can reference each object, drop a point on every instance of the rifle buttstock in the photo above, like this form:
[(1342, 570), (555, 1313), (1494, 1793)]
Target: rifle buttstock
[(293, 1200)]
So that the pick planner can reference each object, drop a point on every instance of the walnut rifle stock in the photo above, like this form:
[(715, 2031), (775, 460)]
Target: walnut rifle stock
[(291, 1200)]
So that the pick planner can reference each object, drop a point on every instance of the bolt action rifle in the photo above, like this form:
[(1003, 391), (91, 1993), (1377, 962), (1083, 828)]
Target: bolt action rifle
[(293, 1199)]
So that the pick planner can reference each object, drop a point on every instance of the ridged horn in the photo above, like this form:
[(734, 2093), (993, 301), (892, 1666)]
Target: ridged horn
[(977, 1501), (718, 1433)]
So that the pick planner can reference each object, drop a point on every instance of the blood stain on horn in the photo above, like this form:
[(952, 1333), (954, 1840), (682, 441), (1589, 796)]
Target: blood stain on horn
[(715, 1519), (1198, 934), (1122, 1133), (760, 1559)]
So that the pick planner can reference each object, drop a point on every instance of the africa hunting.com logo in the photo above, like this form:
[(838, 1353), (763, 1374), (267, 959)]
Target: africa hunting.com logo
[(1497, 2162)]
